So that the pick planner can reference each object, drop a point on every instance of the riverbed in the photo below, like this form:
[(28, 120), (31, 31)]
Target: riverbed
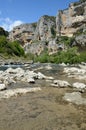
[(45, 109)]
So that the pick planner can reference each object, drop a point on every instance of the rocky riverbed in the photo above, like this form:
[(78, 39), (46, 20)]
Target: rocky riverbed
[(43, 97)]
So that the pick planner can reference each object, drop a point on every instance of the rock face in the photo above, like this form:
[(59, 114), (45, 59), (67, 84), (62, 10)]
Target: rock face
[(24, 33), (35, 37), (32, 36), (45, 28), (67, 22), (70, 20), (42, 30), (80, 41)]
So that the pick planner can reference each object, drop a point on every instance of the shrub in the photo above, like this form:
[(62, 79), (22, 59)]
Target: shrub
[(70, 56), (10, 48), (43, 58), (66, 40)]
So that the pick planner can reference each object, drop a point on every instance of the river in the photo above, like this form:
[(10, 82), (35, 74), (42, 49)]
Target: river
[(45, 109)]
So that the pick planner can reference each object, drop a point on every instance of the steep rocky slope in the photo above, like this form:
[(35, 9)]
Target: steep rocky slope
[(45, 26), (70, 20), (35, 37), (26, 33)]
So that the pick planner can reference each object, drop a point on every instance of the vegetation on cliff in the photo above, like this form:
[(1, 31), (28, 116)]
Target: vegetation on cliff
[(71, 56), (7, 47), (10, 48)]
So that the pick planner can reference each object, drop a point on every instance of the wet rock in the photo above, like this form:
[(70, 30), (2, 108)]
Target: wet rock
[(31, 74), (13, 75), (16, 92), (48, 67), (30, 80), (41, 76), (62, 64), (77, 73), (9, 80), (14, 71), (60, 83), (79, 85), (74, 70), (49, 78), (1, 72), (75, 97), (2, 87)]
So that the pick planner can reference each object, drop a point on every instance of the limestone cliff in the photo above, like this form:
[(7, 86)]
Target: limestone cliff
[(42, 30), (23, 33), (70, 20)]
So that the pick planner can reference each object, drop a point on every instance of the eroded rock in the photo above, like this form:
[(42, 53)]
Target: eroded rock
[(16, 92), (2, 87), (60, 83), (75, 98)]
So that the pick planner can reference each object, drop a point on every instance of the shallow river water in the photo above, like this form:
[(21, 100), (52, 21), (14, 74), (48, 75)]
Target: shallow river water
[(42, 110)]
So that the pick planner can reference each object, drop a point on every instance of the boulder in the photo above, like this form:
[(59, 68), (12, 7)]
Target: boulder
[(30, 80), (75, 98), (9, 80), (14, 71), (2, 87), (60, 83), (41, 76), (79, 85), (77, 73), (15, 92), (74, 70)]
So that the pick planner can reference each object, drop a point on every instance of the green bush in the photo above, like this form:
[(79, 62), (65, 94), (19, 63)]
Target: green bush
[(29, 56), (43, 58), (10, 48), (66, 40), (70, 56), (17, 49)]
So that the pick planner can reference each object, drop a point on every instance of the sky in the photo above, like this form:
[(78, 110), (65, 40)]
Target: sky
[(16, 12)]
